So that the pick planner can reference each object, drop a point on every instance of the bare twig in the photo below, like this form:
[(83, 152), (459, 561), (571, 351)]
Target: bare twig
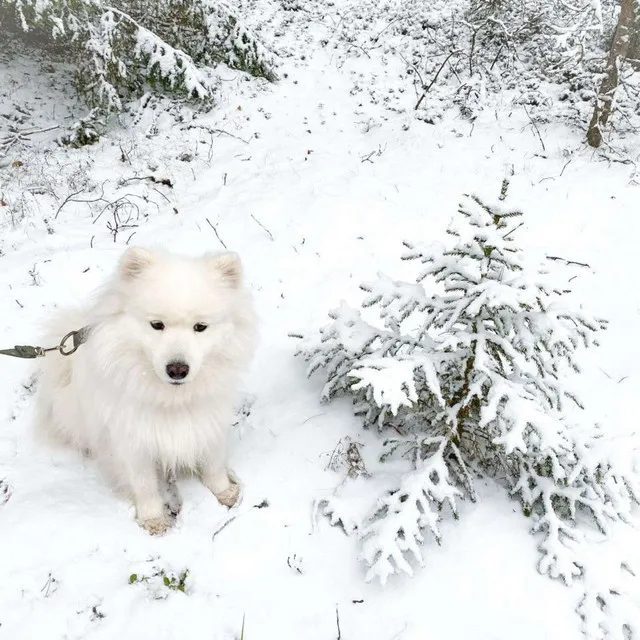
[(71, 198), (215, 230), (162, 194), (224, 525), (497, 57), (377, 36), (265, 228), (568, 162), (535, 127), (49, 586), (578, 264), (121, 223), (472, 48), (124, 156), (415, 69), (512, 230), (121, 201), (164, 181), (213, 130), (228, 521), (559, 176), (435, 77), (338, 623), (295, 563), (15, 136), (367, 158), (210, 152)]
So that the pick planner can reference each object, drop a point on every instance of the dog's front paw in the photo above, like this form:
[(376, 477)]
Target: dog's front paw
[(156, 526), (229, 496), (173, 509), (173, 502)]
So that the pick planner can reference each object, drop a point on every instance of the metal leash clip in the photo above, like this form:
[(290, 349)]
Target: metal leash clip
[(77, 338), (63, 349)]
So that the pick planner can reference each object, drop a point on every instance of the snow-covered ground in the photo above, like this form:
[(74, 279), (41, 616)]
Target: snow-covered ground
[(315, 182)]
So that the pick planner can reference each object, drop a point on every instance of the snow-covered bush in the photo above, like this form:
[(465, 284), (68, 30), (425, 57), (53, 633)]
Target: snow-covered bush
[(466, 372), (545, 55), (85, 131), (125, 47)]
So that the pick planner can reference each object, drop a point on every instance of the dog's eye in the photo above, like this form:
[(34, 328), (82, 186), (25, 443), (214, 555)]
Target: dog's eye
[(157, 325), (200, 327)]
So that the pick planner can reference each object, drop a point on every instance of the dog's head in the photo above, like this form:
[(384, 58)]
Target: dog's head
[(188, 318)]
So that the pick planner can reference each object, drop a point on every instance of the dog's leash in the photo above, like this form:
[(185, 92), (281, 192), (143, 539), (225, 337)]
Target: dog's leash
[(68, 345)]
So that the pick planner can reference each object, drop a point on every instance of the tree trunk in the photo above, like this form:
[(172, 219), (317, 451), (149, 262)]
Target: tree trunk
[(634, 44), (618, 52)]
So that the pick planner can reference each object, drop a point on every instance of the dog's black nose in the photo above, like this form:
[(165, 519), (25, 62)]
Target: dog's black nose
[(177, 370)]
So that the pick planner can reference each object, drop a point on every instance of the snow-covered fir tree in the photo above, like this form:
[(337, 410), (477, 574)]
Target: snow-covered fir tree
[(127, 47), (467, 373)]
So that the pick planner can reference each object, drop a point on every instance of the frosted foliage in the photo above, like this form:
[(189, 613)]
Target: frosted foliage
[(122, 48), (473, 378), (395, 531), (543, 55), (612, 613)]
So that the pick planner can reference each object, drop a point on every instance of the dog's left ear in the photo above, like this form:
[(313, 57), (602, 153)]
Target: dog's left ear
[(228, 264), (134, 261)]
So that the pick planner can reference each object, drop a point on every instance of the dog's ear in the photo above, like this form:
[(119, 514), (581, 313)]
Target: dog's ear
[(228, 264), (134, 261)]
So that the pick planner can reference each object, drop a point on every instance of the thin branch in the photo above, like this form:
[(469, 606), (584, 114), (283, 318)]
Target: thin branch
[(415, 69), (215, 230), (428, 88), (265, 228), (213, 130), (71, 198), (578, 264), (16, 136), (535, 127), (368, 157), (123, 199), (164, 181), (162, 194), (228, 521), (512, 230)]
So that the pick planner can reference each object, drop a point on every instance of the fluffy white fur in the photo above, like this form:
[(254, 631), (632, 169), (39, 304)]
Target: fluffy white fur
[(114, 399)]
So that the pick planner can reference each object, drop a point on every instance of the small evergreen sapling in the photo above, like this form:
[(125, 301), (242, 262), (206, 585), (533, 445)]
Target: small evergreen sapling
[(468, 377), (85, 131)]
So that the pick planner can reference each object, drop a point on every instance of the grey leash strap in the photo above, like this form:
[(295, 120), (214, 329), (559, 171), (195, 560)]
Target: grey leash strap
[(68, 345)]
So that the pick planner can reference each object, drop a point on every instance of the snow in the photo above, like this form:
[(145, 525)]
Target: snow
[(316, 187)]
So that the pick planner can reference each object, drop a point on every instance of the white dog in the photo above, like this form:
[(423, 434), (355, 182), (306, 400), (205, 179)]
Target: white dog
[(150, 393)]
